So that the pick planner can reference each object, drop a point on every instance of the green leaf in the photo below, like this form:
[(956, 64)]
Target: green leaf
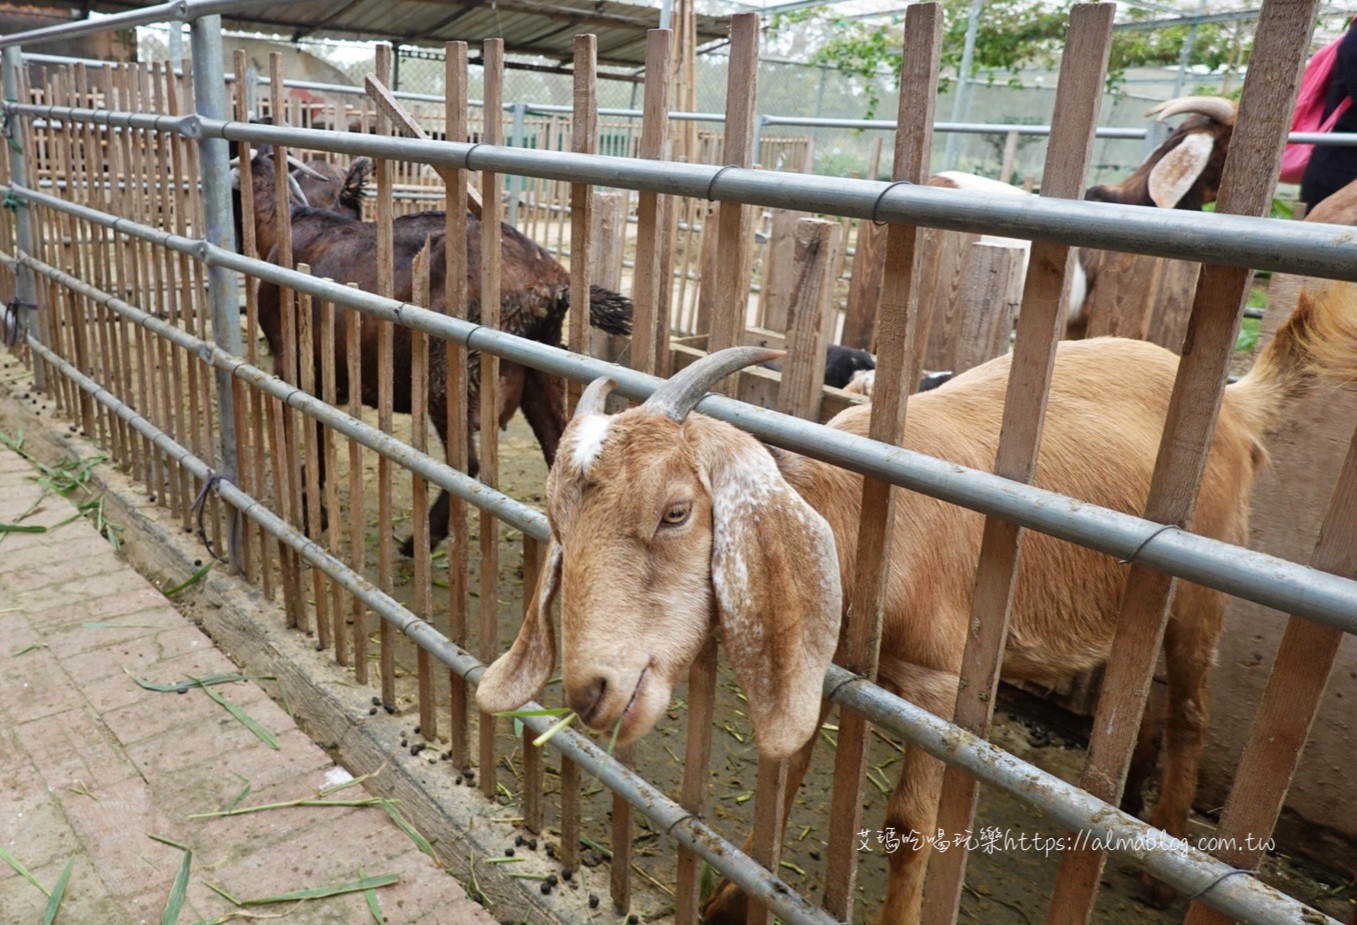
[(244, 719), (193, 580), (547, 736), (408, 829), (374, 905), (58, 891), (180, 686), (19, 869), (178, 892), (22, 528), (322, 892)]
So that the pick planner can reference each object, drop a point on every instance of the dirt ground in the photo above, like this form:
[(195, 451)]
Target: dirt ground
[(1002, 887)]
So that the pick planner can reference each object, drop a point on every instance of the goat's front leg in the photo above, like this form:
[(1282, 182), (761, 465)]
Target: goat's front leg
[(544, 407), (728, 904), (912, 811)]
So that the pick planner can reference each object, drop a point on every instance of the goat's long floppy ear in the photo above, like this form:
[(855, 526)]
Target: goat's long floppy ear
[(1177, 170), (518, 675), (775, 572)]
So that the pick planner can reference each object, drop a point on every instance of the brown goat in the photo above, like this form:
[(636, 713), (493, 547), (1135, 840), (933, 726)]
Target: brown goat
[(340, 191), (534, 299), (669, 525), (1183, 172)]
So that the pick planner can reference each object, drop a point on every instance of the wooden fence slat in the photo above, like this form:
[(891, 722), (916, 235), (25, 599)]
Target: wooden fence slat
[(811, 317), (861, 637), (1078, 98), (1282, 39), (583, 140), (650, 282), (419, 491), (456, 369), (779, 269), (864, 287), (491, 210), (386, 285), (696, 758), (734, 223)]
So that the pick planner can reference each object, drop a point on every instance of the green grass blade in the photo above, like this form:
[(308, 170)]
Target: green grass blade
[(192, 580), (178, 892), (374, 904), (22, 871), (323, 892), (180, 686), (22, 528), (547, 736), (543, 711), (244, 719), (408, 829), (31, 647), (58, 891)]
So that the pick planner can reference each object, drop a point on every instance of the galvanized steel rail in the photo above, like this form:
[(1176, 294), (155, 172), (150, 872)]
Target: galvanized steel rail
[(1186, 868), (1255, 576), (1308, 249)]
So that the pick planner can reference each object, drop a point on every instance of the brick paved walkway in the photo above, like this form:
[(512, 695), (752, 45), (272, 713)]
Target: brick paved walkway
[(91, 764)]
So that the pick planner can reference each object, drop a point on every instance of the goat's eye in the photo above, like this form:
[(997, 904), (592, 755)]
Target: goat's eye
[(676, 513)]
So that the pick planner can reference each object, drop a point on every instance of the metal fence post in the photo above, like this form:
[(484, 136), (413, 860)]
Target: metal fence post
[(209, 94), (25, 290)]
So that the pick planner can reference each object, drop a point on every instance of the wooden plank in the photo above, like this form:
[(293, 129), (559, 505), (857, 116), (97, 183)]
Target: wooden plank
[(734, 224), (454, 303), (357, 503), (1282, 39), (942, 287), (608, 234), (650, 319), (803, 369), (533, 558), (1295, 687), (988, 304), (770, 791), (399, 116), (864, 287), (861, 636), (779, 269), (1040, 325)]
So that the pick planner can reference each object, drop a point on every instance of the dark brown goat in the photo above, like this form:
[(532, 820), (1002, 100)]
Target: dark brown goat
[(534, 298), (1183, 172), (340, 191)]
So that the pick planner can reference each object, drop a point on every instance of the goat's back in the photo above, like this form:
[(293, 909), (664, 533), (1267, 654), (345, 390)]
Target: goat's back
[(1107, 405)]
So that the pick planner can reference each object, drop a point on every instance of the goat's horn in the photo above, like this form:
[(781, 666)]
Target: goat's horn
[(595, 396), (298, 164), (1216, 107), (676, 397), (297, 189)]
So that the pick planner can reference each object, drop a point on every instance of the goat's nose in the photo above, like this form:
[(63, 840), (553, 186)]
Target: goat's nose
[(587, 700)]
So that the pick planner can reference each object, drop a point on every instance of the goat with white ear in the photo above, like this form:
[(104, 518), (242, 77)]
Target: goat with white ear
[(704, 534), (668, 526)]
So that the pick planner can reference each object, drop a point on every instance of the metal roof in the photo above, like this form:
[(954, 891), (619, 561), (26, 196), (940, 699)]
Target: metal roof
[(528, 27)]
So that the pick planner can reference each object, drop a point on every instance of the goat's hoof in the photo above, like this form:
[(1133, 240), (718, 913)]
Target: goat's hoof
[(1156, 893), (727, 905), (408, 548)]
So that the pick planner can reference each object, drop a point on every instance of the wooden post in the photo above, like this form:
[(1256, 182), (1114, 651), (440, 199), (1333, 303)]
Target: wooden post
[(1283, 36), (584, 140), (812, 320), (861, 636), (608, 232), (652, 282), (1040, 325), (779, 269), (864, 287)]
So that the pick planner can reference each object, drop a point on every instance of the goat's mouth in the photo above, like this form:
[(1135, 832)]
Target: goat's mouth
[(635, 717)]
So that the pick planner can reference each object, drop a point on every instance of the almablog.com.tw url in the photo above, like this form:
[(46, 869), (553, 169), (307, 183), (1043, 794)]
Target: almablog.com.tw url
[(993, 840)]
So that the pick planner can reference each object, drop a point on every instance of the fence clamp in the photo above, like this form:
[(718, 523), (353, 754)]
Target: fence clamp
[(7, 126)]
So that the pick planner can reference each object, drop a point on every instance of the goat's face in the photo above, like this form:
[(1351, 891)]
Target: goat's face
[(663, 531)]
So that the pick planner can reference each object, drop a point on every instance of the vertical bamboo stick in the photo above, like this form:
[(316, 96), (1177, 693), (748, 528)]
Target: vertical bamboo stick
[(584, 140), (895, 329), (650, 322), (419, 438), (1269, 91), (357, 507), (329, 394), (1040, 326), (455, 369), (306, 356), (493, 53), (386, 285), (532, 754)]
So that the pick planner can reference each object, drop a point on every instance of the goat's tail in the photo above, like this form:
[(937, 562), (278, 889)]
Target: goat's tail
[(355, 184), (609, 311), (1318, 341)]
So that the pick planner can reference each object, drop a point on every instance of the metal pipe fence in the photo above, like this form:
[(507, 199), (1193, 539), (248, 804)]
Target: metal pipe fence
[(75, 338)]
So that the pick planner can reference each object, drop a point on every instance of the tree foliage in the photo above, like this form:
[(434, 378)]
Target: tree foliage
[(1012, 35)]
